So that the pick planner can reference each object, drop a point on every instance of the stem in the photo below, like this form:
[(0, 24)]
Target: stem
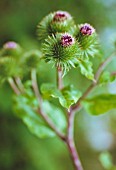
[(71, 143), (13, 86), (103, 65), (77, 107), (59, 78), (51, 124), (40, 110), (35, 86), (19, 83)]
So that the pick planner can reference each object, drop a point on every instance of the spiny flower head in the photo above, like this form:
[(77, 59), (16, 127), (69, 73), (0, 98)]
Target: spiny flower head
[(62, 50), (56, 22), (86, 29), (60, 16), (88, 40)]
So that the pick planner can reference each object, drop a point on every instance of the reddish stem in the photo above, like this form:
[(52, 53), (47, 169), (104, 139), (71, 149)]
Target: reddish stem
[(71, 143)]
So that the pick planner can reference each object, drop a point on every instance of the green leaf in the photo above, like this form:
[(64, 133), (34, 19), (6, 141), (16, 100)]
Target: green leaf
[(25, 107), (100, 104), (70, 96), (106, 160), (49, 90), (106, 77), (67, 96), (56, 115), (86, 68)]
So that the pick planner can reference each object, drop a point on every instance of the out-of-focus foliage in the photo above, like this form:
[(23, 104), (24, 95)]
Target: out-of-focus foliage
[(19, 149)]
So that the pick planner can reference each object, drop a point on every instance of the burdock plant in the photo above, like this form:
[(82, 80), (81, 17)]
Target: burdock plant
[(65, 45)]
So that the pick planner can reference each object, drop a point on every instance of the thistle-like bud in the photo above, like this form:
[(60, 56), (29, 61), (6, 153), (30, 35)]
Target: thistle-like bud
[(87, 39), (57, 22), (62, 50), (31, 60), (11, 49)]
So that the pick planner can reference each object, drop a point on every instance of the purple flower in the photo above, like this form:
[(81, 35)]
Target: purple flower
[(86, 29), (61, 16), (10, 45), (67, 40)]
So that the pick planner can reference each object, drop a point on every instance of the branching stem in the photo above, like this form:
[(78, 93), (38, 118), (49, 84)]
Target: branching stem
[(40, 109), (102, 66)]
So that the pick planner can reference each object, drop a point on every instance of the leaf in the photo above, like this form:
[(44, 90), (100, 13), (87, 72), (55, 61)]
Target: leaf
[(106, 77), (86, 68), (25, 107), (100, 104), (70, 96), (106, 160), (67, 96), (56, 115)]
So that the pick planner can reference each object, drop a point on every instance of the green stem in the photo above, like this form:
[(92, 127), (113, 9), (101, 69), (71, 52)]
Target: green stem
[(59, 78), (19, 84), (13, 86)]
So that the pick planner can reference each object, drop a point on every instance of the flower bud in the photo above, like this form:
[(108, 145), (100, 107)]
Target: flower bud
[(67, 40), (10, 45), (86, 29), (11, 49), (57, 22), (62, 50), (60, 16), (88, 41)]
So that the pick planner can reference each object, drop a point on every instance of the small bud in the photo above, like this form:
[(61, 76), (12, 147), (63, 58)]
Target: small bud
[(67, 40), (11, 49), (86, 29), (61, 16), (10, 45)]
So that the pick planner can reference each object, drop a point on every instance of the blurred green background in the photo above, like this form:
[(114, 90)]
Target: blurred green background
[(20, 150)]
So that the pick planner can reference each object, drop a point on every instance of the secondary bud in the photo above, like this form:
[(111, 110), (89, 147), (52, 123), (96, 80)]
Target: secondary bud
[(10, 45), (11, 49), (67, 40), (61, 16), (86, 29)]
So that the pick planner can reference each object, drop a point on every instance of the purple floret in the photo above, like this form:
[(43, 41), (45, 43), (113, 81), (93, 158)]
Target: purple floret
[(61, 16), (10, 45), (87, 29), (67, 40)]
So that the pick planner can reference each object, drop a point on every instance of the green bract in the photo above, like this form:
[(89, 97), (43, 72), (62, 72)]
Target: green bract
[(55, 22), (31, 59), (62, 50), (6, 68)]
